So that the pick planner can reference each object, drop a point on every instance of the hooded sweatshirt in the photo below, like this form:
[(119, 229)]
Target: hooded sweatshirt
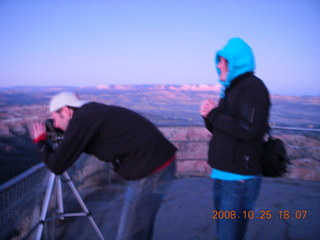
[(240, 60), (239, 122)]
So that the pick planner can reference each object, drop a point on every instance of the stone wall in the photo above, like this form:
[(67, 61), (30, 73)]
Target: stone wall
[(192, 142)]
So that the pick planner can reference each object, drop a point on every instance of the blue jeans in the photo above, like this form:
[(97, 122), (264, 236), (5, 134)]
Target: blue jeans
[(238, 196), (142, 202)]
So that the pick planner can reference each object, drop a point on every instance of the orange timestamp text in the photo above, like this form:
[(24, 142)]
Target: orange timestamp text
[(263, 214)]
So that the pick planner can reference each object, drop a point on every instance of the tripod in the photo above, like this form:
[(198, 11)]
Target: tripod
[(56, 179)]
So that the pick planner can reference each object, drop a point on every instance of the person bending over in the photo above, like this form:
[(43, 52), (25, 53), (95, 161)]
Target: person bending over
[(137, 149)]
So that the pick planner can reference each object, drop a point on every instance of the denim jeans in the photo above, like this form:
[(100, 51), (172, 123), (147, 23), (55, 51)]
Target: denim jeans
[(238, 196), (142, 202)]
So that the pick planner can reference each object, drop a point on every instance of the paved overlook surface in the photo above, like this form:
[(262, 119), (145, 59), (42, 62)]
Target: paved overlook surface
[(187, 214)]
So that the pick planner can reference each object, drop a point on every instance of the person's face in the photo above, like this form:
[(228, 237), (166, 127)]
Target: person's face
[(61, 118), (223, 67)]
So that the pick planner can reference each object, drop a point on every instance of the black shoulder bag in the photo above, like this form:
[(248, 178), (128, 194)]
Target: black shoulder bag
[(274, 158)]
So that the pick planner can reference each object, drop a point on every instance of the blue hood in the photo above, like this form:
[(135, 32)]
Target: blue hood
[(240, 60)]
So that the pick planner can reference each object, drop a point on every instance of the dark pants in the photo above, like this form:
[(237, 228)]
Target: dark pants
[(234, 197), (142, 202)]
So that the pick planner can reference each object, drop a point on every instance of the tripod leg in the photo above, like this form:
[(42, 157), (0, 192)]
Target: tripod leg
[(60, 209), (83, 206), (45, 206)]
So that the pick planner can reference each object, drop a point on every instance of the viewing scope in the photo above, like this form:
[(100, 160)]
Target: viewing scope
[(55, 135)]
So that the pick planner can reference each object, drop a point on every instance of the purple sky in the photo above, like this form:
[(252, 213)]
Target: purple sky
[(87, 43)]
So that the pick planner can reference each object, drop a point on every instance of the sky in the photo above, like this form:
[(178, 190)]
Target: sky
[(88, 43)]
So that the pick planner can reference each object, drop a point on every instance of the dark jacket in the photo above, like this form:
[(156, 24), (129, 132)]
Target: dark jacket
[(113, 134), (238, 125)]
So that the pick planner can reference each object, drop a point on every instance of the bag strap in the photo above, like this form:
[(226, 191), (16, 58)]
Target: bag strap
[(268, 131)]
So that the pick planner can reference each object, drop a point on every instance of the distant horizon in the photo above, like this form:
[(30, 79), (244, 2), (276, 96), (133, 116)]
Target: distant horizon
[(101, 87)]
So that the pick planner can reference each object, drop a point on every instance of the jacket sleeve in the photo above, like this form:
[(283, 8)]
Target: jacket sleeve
[(249, 120), (211, 115), (76, 138)]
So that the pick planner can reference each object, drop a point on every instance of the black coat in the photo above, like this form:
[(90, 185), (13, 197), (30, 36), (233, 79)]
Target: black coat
[(238, 125), (114, 134)]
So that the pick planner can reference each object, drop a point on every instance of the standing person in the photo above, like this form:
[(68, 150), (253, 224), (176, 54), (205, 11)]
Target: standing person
[(137, 149), (238, 124)]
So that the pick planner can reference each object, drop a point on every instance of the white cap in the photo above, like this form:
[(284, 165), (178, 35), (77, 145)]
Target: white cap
[(65, 99)]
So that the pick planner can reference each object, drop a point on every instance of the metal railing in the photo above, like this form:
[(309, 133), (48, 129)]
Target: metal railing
[(19, 199)]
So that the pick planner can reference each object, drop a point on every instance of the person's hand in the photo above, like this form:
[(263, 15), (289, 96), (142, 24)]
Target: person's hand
[(38, 130), (206, 106)]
